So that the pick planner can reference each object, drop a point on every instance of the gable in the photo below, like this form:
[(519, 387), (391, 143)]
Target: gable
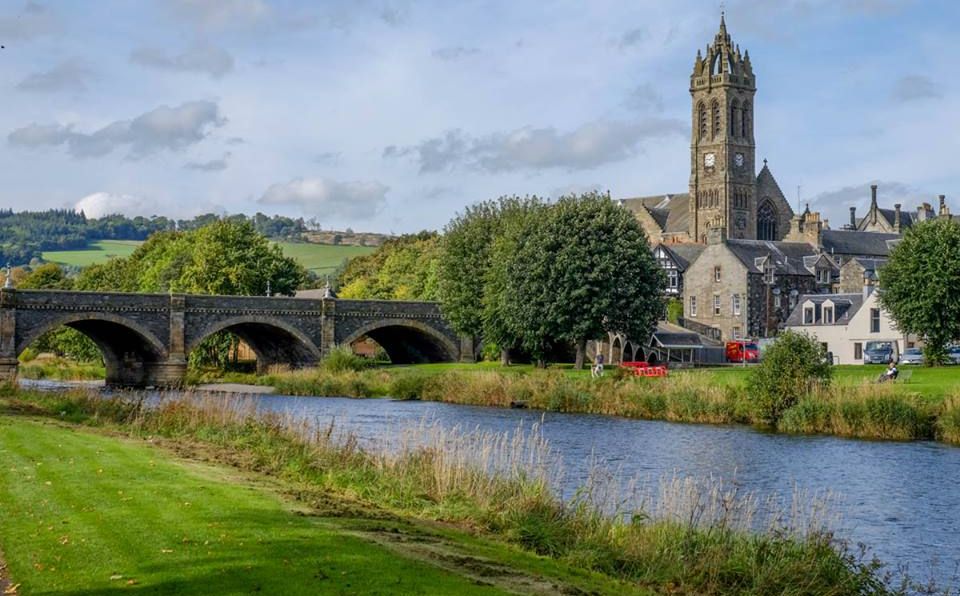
[(769, 190)]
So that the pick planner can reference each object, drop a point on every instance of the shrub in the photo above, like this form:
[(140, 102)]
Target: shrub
[(791, 367), (342, 359)]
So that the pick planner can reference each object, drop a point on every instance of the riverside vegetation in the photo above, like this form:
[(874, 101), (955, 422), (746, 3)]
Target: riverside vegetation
[(693, 537)]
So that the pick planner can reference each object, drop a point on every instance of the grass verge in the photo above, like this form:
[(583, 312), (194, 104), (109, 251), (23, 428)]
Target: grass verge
[(693, 538)]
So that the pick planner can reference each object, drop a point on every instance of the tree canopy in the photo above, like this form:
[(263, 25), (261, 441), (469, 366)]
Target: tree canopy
[(920, 285), (402, 268)]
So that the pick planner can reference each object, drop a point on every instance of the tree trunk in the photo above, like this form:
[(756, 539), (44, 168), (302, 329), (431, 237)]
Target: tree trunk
[(505, 357), (581, 354), (541, 363)]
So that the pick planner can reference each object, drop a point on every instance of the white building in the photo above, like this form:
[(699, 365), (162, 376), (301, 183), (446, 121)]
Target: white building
[(845, 323)]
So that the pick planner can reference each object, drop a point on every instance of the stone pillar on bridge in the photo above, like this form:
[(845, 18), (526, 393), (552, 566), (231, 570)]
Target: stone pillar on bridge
[(8, 334), (172, 372), (328, 330)]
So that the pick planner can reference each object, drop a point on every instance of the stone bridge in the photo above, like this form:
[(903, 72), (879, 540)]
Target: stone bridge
[(146, 338)]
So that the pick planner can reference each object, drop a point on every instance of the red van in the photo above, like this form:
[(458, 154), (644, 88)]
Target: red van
[(738, 351)]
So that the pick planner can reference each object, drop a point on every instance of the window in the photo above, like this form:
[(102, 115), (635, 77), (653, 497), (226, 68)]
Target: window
[(716, 306), (735, 300), (735, 119), (716, 273), (745, 121), (808, 315), (693, 306), (766, 221), (673, 279), (702, 109), (736, 333), (716, 120), (828, 315), (823, 276), (857, 351), (874, 320), (768, 275), (776, 300)]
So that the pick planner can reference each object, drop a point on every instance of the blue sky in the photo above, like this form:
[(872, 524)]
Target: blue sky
[(391, 115)]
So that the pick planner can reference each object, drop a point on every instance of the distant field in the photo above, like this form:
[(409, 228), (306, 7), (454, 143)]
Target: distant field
[(319, 258), (97, 253)]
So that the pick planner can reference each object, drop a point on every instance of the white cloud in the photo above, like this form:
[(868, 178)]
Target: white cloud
[(206, 59), (913, 87), (219, 13), (163, 128), (322, 196), (70, 75), (586, 147), (100, 204), (33, 21), (213, 165)]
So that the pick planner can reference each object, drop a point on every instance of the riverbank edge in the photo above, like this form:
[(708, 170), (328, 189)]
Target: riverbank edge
[(867, 411), (682, 559)]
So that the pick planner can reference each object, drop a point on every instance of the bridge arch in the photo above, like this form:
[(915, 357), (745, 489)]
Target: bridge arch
[(275, 342), (407, 341), (130, 351)]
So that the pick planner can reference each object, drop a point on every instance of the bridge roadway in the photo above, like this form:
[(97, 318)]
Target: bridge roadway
[(146, 338)]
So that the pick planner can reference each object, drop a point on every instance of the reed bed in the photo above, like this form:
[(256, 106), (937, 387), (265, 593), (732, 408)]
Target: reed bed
[(679, 535), (866, 411)]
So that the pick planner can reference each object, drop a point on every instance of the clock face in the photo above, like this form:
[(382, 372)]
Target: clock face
[(709, 160), (738, 160)]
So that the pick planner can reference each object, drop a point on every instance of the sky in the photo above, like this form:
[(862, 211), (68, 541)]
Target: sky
[(393, 115)]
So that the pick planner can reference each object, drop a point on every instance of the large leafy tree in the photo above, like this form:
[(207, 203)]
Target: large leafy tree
[(466, 285), (579, 269), (920, 285)]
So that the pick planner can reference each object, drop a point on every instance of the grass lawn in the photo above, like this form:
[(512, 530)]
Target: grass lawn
[(99, 252), (89, 513), (322, 259)]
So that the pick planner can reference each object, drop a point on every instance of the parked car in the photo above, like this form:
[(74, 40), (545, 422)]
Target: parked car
[(738, 351), (879, 352), (953, 355), (912, 356)]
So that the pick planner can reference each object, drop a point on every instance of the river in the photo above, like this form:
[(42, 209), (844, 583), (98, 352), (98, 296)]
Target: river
[(900, 499)]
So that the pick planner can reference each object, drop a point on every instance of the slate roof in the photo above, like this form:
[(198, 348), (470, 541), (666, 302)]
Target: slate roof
[(787, 257), (683, 254), (906, 217), (671, 212), (854, 243), (668, 335), (845, 307), (870, 266)]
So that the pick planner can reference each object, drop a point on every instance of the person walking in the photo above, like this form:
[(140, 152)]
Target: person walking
[(597, 366)]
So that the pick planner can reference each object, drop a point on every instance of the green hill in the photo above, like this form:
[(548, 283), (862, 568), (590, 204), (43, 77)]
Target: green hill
[(321, 259)]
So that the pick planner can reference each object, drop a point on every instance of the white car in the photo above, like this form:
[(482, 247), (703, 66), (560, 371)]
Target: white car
[(912, 356)]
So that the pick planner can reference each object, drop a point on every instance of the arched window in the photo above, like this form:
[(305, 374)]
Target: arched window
[(735, 119), (716, 119), (766, 221), (702, 117), (745, 121)]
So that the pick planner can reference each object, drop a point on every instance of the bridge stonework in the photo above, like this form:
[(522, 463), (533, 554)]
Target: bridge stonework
[(146, 338)]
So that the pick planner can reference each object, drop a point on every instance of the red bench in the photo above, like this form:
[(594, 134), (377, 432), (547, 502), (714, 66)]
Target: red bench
[(644, 369)]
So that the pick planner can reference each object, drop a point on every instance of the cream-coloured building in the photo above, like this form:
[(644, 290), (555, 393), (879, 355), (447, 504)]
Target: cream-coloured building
[(846, 323)]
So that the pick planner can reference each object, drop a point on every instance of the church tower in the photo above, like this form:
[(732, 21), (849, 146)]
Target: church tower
[(722, 163)]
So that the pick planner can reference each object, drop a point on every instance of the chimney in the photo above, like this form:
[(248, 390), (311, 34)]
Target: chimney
[(716, 235), (873, 196), (853, 218), (896, 218)]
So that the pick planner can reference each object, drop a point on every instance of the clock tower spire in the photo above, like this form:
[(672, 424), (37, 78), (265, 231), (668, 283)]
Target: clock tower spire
[(722, 148)]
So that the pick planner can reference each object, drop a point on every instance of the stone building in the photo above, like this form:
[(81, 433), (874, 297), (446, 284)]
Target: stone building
[(675, 259)]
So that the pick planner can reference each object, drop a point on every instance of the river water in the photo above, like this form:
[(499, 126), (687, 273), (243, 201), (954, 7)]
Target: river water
[(900, 499)]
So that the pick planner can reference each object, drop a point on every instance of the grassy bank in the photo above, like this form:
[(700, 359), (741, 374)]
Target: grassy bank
[(693, 538)]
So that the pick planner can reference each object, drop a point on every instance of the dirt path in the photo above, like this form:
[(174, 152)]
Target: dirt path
[(7, 588)]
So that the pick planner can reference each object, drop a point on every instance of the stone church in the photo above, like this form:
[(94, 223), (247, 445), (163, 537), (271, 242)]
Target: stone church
[(725, 189)]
